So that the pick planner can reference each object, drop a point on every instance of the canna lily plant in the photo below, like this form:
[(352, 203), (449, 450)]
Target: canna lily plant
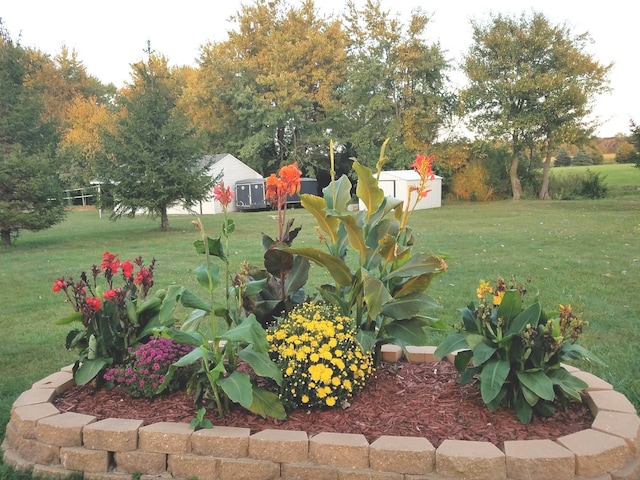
[(385, 292), (516, 352), (218, 347)]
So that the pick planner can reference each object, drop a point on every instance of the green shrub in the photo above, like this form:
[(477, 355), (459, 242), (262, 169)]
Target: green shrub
[(516, 353)]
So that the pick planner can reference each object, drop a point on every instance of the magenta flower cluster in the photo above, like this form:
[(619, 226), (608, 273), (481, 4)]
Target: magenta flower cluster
[(145, 368)]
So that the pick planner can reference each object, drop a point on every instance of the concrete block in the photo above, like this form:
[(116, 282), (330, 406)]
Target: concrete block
[(391, 353), (609, 400), (12, 459), (112, 434), (59, 381), (34, 395), (187, 465), (227, 442), (165, 437), (84, 460), (593, 383), (279, 445), (51, 472), (596, 452), (539, 460), (366, 474), (24, 418), (339, 449), (246, 469), (421, 354), (64, 430), (412, 455), (307, 471), (139, 461), (470, 460), (623, 425)]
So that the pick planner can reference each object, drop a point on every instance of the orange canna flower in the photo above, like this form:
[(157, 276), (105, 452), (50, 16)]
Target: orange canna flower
[(273, 187), (290, 176)]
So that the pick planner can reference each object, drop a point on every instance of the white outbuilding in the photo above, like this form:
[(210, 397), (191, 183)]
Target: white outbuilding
[(233, 170), (396, 183)]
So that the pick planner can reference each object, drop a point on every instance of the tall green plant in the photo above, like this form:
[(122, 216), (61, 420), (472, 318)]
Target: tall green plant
[(516, 352), (386, 291), (218, 350)]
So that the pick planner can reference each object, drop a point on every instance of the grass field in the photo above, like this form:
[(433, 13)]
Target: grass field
[(621, 178), (585, 253)]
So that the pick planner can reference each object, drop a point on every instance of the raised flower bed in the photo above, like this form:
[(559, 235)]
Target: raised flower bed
[(43, 440)]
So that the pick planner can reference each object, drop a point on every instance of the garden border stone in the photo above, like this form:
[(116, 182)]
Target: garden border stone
[(46, 442)]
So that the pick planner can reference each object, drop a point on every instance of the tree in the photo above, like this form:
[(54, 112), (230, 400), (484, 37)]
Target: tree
[(272, 86), (394, 86), (563, 159), (154, 158), (635, 140), (530, 83), (30, 195)]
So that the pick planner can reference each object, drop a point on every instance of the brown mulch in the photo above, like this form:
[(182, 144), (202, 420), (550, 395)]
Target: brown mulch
[(407, 399)]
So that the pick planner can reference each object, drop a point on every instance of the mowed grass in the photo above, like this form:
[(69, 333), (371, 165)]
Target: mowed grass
[(584, 253), (621, 178)]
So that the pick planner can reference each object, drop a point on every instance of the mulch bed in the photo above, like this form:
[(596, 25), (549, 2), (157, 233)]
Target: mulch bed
[(407, 399)]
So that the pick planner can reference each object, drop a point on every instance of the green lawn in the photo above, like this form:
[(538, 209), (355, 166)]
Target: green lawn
[(621, 178), (585, 253)]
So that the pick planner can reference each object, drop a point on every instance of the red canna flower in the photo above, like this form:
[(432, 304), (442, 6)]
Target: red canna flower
[(94, 303), (110, 294), (223, 194), (110, 262), (127, 269), (59, 284)]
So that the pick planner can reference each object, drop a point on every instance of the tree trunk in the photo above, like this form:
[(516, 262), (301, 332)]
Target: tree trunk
[(546, 167), (6, 237), (516, 188), (164, 219)]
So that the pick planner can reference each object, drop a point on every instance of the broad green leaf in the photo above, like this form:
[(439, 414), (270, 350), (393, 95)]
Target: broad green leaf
[(524, 411), (570, 384), (463, 359), (366, 339), (473, 339), (434, 323), (185, 338), (266, 404), (89, 369), (250, 332), (510, 307), (74, 317), (261, 364), (529, 316), (419, 283), (194, 320), (493, 376), (389, 204), (191, 300), (170, 302), (529, 395), (539, 383), (409, 331), (573, 351), (317, 207), (469, 373), (383, 235), (355, 233), (208, 279), (482, 353), (418, 264), (238, 388), (336, 267), (337, 194), (409, 305), (368, 190), (215, 247), (254, 287), (451, 343), (469, 318), (375, 293), (298, 275)]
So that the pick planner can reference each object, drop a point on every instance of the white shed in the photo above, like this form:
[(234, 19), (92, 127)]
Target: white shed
[(232, 170), (395, 183)]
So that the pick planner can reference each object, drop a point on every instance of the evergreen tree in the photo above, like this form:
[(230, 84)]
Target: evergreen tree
[(563, 159), (30, 194), (154, 158)]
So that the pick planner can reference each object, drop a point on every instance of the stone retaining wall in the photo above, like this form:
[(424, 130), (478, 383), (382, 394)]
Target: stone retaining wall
[(41, 439)]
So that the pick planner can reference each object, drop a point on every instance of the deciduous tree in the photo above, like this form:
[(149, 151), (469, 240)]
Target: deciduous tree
[(530, 83)]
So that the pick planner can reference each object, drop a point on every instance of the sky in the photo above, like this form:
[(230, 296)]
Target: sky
[(108, 37)]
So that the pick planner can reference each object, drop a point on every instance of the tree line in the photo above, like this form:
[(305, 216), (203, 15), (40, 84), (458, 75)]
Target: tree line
[(285, 83)]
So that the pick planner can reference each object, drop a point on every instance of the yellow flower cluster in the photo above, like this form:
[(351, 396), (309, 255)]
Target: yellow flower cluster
[(322, 363)]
